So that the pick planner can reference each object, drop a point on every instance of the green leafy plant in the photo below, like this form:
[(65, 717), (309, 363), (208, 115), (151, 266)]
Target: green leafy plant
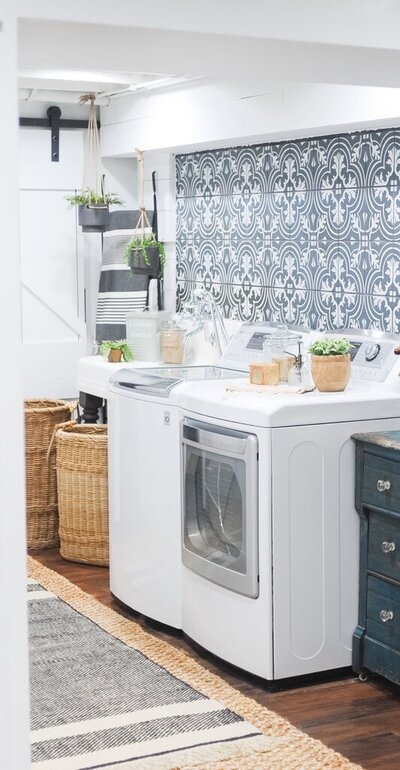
[(330, 346), (121, 345), (143, 245), (91, 198)]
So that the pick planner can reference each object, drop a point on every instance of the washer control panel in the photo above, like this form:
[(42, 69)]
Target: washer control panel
[(372, 359), (372, 352)]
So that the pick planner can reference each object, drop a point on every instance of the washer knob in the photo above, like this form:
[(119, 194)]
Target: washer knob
[(372, 351)]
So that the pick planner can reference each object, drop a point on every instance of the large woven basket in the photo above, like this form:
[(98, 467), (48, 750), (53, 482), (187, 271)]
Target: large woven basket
[(83, 492), (41, 418)]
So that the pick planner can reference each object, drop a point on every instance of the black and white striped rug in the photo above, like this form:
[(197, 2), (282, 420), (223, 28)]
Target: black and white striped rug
[(98, 703), (105, 693)]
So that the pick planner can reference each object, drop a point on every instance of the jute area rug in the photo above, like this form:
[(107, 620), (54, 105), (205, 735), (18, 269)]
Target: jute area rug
[(107, 694)]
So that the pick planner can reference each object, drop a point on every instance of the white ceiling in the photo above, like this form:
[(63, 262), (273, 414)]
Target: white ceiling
[(247, 45)]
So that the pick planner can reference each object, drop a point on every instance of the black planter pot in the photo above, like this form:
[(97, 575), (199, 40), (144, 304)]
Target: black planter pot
[(93, 218), (149, 266)]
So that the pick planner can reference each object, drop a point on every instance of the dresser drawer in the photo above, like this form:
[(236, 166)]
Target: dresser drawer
[(384, 545), (381, 483), (383, 612)]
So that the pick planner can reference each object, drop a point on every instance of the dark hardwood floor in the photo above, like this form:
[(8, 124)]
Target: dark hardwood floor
[(359, 719)]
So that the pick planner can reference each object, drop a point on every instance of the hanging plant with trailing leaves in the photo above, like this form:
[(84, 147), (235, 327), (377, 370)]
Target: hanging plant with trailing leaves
[(144, 253)]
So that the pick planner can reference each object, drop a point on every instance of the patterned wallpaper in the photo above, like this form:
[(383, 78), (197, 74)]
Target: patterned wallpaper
[(306, 231)]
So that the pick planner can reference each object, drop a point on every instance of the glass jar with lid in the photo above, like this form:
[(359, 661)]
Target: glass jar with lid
[(172, 342)]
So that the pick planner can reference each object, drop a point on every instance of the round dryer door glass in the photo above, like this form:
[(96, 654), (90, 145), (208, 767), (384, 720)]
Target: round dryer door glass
[(214, 508), (220, 505)]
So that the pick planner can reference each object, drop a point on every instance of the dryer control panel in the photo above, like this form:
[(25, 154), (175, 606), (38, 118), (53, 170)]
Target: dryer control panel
[(252, 343)]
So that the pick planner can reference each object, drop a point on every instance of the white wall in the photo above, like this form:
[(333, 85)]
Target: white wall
[(163, 164), (205, 114), (14, 727)]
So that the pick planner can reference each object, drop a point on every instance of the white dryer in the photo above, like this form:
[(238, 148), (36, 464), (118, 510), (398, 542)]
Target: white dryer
[(269, 529)]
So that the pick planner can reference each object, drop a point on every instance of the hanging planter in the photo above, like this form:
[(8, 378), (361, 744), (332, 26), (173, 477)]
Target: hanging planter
[(145, 254), (93, 201), (93, 209)]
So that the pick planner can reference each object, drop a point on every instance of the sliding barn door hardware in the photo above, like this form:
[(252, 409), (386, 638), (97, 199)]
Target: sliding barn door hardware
[(54, 122)]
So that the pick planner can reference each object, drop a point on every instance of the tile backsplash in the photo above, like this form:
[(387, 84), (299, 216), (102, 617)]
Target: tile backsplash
[(304, 232)]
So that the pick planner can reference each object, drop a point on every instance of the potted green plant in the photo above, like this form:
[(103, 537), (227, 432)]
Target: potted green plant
[(144, 254), (93, 209), (116, 350), (330, 363)]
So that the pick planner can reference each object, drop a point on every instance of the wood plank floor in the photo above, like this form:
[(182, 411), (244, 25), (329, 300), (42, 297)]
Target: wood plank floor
[(359, 719)]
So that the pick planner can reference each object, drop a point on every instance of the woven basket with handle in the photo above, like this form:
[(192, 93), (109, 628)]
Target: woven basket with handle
[(83, 492), (41, 418)]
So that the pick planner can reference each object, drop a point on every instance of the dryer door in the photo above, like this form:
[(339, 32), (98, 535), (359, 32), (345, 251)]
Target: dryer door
[(220, 505)]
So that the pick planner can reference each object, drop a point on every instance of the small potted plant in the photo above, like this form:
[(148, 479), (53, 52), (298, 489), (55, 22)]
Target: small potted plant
[(116, 350), (146, 255), (330, 363), (93, 209)]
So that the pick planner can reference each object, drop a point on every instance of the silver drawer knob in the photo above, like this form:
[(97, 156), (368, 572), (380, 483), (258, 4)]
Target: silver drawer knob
[(383, 486), (388, 547), (386, 615)]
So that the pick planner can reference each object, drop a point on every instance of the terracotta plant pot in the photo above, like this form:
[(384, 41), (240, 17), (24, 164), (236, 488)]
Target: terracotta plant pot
[(115, 356), (331, 373)]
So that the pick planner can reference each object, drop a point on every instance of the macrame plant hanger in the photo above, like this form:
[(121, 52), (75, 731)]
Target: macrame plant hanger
[(144, 230), (93, 216), (93, 179), (143, 220)]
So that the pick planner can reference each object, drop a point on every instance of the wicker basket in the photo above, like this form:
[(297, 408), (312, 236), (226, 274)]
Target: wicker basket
[(83, 493), (41, 418)]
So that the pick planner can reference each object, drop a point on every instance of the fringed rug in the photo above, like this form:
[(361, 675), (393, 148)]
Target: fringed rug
[(107, 694)]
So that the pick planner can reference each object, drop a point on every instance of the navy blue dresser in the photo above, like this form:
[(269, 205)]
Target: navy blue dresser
[(376, 640)]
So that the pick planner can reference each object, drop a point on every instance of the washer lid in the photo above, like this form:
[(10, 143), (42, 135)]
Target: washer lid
[(142, 381)]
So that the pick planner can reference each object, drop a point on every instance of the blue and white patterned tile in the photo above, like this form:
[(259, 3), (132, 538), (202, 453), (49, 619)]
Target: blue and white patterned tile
[(267, 156), (337, 274), (209, 215), (383, 311), (290, 271), (289, 307), (199, 174), (337, 173), (188, 223), (313, 219), (244, 213), (339, 309), (248, 264), (383, 280), (268, 223), (317, 160), (366, 215), (246, 301), (286, 206), (187, 261), (243, 172), (314, 254), (326, 203), (368, 156), (289, 181)]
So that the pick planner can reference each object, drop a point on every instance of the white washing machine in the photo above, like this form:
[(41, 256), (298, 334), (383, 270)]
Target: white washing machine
[(144, 487), (269, 529)]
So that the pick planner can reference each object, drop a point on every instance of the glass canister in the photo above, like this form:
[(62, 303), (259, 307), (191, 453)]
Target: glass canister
[(172, 343)]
